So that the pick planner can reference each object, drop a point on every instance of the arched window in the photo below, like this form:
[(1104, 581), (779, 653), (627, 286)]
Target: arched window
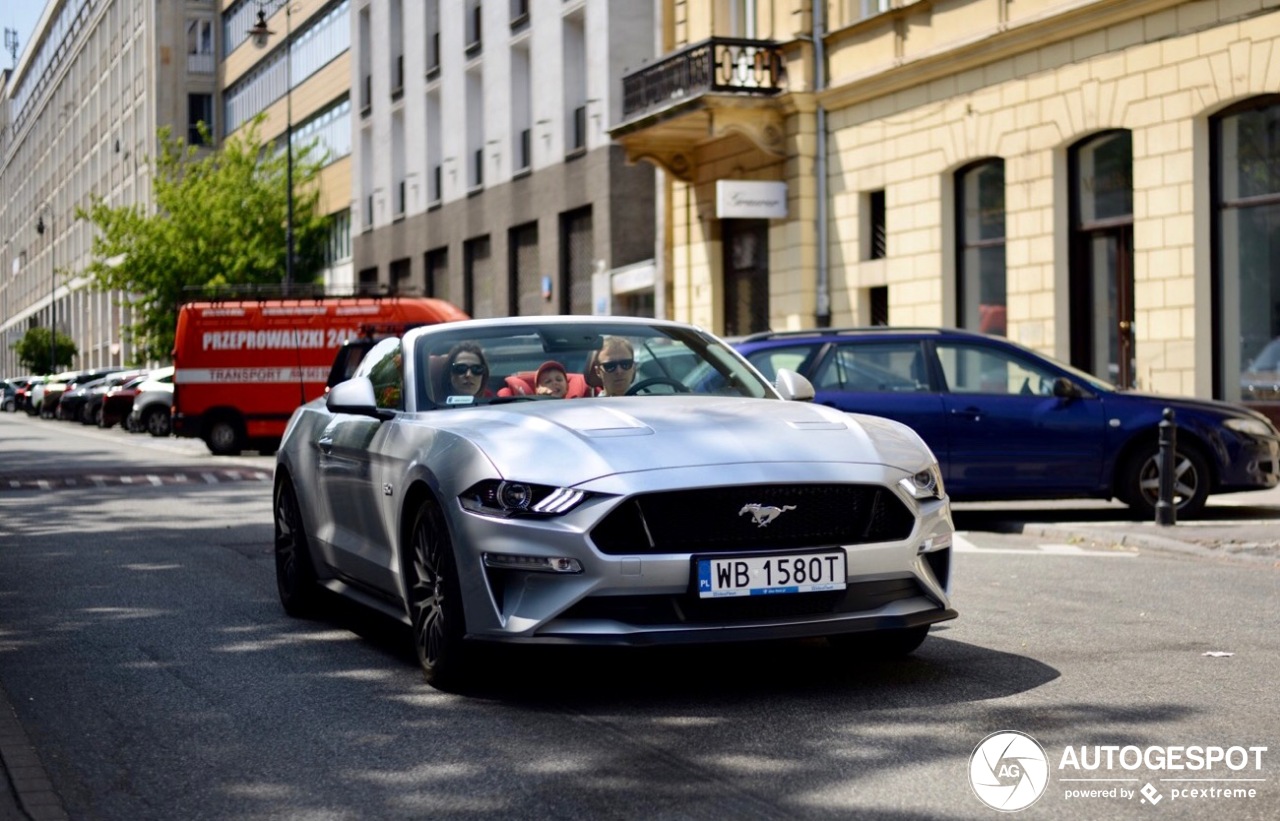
[(1245, 146), (980, 240)]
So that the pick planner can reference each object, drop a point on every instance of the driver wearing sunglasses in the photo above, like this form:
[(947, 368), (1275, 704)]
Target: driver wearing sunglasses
[(467, 370), (616, 365)]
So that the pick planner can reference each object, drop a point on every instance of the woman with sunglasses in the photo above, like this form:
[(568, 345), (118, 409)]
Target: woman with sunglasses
[(615, 365), (466, 370)]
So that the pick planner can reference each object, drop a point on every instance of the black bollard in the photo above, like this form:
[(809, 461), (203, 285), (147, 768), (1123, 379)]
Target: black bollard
[(1166, 513)]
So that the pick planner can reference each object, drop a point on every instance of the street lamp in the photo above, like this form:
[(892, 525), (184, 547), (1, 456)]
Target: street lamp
[(53, 305), (261, 35)]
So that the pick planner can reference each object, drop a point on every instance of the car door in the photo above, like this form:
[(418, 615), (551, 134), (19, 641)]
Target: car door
[(1008, 435), (351, 471), (887, 378)]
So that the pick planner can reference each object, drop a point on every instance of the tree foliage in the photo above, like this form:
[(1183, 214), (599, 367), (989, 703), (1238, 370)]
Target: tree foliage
[(33, 351), (220, 220)]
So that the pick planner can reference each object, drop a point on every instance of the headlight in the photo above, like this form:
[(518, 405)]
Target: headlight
[(924, 484), (1253, 427), (497, 497)]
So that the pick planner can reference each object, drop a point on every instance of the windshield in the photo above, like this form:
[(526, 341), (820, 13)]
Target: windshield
[(478, 363)]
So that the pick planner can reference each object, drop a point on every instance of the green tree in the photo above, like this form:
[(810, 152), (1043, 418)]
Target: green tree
[(33, 351), (219, 221)]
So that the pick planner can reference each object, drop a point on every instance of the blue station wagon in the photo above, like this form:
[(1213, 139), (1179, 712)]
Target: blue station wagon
[(1007, 423)]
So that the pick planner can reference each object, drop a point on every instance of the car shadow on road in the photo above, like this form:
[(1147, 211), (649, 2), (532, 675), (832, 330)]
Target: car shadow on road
[(943, 670)]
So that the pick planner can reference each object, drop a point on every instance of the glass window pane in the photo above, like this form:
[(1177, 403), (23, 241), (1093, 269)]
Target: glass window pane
[(970, 369)]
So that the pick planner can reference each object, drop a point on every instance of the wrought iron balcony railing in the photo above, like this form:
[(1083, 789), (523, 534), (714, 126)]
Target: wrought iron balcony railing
[(720, 64)]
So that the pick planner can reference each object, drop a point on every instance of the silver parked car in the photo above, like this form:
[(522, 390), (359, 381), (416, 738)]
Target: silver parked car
[(671, 497)]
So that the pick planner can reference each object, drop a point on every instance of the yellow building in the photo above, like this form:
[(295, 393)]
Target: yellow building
[(1098, 179)]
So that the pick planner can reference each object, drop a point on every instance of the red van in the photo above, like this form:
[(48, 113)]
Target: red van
[(241, 367)]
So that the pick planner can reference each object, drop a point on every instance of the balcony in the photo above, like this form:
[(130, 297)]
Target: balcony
[(700, 94)]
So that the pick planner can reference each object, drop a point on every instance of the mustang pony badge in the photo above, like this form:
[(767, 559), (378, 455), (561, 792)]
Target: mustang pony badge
[(763, 514)]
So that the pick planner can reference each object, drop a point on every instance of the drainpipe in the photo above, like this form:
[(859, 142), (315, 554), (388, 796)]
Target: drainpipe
[(820, 167)]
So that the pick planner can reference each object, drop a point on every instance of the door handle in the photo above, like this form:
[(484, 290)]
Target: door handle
[(325, 444), (971, 413)]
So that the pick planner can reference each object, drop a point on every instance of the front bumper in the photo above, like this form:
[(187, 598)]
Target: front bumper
[(651, 599)]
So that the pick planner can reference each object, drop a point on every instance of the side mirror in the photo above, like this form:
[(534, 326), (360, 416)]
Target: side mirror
[(793, 386), (1064, 388), (355, 396)]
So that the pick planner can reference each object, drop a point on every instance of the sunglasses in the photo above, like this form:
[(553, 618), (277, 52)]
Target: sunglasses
[(625, 364), (461, 368)]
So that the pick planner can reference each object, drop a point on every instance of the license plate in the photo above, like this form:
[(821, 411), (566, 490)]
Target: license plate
[(770, 575)]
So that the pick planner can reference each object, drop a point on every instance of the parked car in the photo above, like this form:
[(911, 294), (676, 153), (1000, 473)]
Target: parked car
[(58, 385), (1008, 423), (152, 407), (73, 398), (117, 402), (11, 386), (694, 509), (1260, 382), (22, 396), (94, 395)]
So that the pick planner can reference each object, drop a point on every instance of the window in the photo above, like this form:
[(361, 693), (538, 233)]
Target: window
[(401, 276), (980, 253), (877, 242), (894, 367), (473, 27), (367, 282), (974, 369), (769, 360), (437, 263), (200, 46), (525, 289), (383, 365), (199, 110), (1245, 144), (477, 279)]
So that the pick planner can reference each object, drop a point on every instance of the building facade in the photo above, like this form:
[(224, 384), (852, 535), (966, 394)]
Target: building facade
[(78, 117), (1097, 180), (300, 80), (483, 172)]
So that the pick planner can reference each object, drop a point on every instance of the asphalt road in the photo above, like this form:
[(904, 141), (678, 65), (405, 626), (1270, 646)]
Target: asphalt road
[(147, 658)]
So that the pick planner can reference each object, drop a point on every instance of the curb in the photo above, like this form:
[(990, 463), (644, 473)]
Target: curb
[(26, 793), (1139, 537)]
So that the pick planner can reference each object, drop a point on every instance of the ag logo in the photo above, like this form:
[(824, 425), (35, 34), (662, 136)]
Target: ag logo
[(1008, 771)]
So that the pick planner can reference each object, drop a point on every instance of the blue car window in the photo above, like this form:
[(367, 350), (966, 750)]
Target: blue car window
[(896, 367), (978, 369), (769, 360)]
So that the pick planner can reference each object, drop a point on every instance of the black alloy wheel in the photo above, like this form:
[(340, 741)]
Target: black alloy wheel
[(435, 603), (295, 574), (1191, 482)]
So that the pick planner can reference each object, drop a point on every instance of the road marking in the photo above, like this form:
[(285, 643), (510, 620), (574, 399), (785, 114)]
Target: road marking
[(961, 544)]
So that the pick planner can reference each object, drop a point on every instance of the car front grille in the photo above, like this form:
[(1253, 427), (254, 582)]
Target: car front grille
[(688, 608), (721, 519)]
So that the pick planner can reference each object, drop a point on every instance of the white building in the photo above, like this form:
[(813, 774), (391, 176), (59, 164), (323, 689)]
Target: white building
[(483, 171), (78, 117)]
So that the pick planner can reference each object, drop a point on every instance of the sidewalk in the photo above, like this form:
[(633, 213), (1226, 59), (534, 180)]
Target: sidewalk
[(1234, 526), (26, 793)]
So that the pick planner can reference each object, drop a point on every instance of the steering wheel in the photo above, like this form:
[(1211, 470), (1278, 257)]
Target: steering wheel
[(657, 380)]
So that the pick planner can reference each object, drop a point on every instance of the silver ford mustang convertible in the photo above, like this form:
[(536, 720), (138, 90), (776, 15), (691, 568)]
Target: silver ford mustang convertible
[(607, 481)]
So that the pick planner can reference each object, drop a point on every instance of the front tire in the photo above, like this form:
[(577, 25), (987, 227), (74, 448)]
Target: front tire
[(224, 438), (295, 573), (435, 603), (1140, 485), (155, 421)]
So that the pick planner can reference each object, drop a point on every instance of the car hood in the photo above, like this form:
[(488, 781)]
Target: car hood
[(1211, 406), (571, 441)]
